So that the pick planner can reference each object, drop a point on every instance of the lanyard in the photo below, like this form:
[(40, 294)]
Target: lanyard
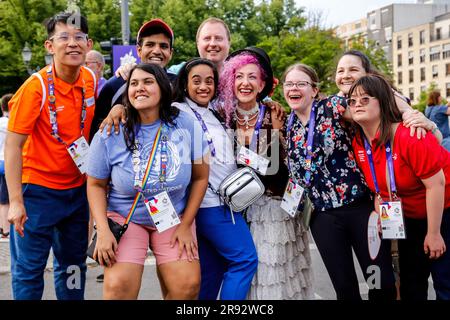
[(390, 164), (309, 141), (140, 183), (205, 130), (262, 111), (52, 107)]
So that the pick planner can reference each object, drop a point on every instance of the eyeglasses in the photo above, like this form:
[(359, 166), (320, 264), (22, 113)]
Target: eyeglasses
[(298, 84), (65, 37), (363, 101)]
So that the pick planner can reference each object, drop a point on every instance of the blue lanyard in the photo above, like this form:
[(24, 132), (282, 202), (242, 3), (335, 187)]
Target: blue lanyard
[(309, 141), (52, 107), (255, 137), (205, 130), (390, 164)]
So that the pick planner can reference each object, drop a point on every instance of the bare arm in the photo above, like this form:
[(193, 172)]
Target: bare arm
[(17, 214), (200, 175), (106, 246), (435, 191)]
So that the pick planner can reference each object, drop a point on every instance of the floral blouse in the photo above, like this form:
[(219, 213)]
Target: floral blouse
[(335, 178)]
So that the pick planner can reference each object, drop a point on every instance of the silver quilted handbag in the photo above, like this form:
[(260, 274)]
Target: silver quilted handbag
[(241, 189)]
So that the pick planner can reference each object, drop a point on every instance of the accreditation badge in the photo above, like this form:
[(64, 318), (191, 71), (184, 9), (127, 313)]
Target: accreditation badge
[(79, 151), (162, 212), (392, 222), (292, 197), (373, 235), (252, 159)]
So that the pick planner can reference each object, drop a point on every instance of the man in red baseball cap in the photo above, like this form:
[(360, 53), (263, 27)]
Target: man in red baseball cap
[(154, 45), (155, 42)]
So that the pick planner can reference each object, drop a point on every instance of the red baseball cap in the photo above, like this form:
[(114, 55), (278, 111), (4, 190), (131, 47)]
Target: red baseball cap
[(156, 23)]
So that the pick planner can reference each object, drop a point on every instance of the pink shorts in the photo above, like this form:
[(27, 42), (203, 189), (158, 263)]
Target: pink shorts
[(137, 239)]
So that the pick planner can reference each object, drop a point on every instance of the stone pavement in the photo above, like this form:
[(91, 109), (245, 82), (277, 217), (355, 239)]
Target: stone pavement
[(5, 259)]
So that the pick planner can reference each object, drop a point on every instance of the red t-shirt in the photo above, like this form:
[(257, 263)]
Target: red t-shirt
[(414, 160)]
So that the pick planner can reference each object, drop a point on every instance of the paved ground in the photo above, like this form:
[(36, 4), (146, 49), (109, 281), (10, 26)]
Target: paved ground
[(150, 289)]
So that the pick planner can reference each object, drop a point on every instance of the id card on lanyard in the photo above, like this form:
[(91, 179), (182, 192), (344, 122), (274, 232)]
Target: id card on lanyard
[(294, 192), (250, 157), (159, 206), (79, 149), (390, 211)]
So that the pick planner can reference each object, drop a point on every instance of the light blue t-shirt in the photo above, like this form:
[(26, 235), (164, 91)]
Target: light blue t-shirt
[(109, 157)]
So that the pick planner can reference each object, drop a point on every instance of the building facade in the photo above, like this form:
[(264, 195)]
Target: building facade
[(349, 32), (421, 56), (387, 20)]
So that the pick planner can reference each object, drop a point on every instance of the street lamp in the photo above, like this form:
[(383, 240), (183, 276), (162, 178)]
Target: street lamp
[(26, 57)]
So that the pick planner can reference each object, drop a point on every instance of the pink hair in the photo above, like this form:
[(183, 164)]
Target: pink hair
[(227, 99)]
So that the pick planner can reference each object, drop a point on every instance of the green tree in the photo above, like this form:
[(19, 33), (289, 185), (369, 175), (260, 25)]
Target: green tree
[(423, 98), (22, 21)]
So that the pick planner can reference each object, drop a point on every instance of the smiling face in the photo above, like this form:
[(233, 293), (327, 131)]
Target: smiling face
[(213, 43), (364, 108), (144, 92), (68, 45), (155, 49), (348, 71), (300, 96), (248, 83), (200, 85)]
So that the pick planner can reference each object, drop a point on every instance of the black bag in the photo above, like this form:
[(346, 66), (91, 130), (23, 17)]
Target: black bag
[(117, 230)]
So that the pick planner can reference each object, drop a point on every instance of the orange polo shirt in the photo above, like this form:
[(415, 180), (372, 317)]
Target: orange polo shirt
[(46, 161)]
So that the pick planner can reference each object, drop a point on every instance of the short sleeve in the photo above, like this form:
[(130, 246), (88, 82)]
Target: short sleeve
[(423, 155), (25, 106), (99, 165)]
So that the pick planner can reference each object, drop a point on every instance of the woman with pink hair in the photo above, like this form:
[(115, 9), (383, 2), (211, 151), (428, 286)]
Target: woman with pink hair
[(284, 263)]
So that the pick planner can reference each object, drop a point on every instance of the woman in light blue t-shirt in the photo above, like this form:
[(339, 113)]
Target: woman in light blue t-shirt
[(177, 169)]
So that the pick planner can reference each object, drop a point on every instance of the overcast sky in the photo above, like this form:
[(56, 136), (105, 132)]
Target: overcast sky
[(337, 12)]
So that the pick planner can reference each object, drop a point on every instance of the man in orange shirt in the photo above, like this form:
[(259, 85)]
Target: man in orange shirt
[(51, 114)]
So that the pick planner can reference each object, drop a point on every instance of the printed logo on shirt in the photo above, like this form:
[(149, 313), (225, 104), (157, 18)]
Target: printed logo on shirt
[(395, 156), (362, 155), (90, 101), (59, 109)]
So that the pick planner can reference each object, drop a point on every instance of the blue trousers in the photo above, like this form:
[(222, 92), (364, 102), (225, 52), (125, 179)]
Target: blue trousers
[(227, 254), (57, 219), (415, 266)]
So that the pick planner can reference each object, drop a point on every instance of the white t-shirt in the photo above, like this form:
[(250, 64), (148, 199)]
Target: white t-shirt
[(223, 163), (3, 129)]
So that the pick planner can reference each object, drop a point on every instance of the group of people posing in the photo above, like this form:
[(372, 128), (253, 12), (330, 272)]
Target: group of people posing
[(342, 158)]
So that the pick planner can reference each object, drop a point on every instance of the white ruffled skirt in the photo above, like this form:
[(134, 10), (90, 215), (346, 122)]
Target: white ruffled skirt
[(284, 260)]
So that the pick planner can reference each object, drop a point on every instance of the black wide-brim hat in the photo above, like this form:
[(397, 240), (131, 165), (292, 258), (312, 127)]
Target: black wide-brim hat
[(264, 61)]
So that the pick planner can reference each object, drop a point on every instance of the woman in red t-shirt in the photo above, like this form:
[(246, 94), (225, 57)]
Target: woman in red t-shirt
[(417, 172)]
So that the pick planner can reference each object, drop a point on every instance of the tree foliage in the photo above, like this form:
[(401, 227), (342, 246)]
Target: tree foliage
[(279, 26)]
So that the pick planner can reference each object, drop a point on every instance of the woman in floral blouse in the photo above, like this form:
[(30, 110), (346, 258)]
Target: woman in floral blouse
[(335, 186)]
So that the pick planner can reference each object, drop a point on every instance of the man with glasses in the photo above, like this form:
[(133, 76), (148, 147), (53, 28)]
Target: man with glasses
[(50, 114), (96, 62)]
